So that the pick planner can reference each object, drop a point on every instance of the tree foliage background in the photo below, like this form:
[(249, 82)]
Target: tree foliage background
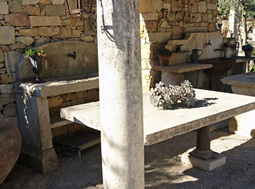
[(245, 12)]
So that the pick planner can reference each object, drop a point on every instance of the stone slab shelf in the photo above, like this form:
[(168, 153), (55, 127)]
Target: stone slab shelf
[(181, 51), (241, 59), (57, 121), (53, 88), (35, 121), (182, 68)]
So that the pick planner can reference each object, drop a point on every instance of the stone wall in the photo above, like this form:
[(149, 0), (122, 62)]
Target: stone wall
[(29, 23), (162, 20), (25, 24), (71, 99)]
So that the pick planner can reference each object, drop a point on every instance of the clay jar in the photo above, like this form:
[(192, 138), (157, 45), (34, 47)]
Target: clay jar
[(10, 147)]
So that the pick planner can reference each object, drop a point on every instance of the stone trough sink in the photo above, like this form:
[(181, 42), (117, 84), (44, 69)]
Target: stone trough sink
[(219, 64)]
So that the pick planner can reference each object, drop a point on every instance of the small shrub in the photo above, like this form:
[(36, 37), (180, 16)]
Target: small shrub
[(168, 96), (165, 52)]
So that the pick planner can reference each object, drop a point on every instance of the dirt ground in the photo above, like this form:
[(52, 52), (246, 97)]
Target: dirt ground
[(163, 168)]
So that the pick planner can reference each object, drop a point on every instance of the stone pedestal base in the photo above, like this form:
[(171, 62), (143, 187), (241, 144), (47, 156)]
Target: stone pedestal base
[(243, 124), (207, 164), (43, 161)]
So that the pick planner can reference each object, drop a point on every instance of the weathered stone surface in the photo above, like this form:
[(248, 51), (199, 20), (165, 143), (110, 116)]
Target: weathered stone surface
[(146, 6), (70, 96), (4, 78), (59, 131), (212, 27), (171, 16), (202, 6), (65, 33), (92, 95), (87, 38), (149, 16), (58, 2), (211, 6), (45, 21), (5, 48), (176, 5), (193, 6), (1, 55), (30, 2), (17, 46), (45, 2), (74, 127), (151, 26), (195, 18), (55, 101), (6, 88), (25, 40), (29, 32), (1, 17), (31, 10), (55, 10), (20, 19), (10, 110), (179, 16), (41, 41), (81, 94), (11, 58), (48, 31), (7, 35), (72, 22), (76, 33), (4, 101), (196, 29), (15, 6), (159, 37), (4, 8), (176, 30)]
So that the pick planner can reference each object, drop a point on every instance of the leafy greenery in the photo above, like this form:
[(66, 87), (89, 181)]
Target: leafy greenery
[(168, 96), (30, 52), (245, 10), (165, 52)]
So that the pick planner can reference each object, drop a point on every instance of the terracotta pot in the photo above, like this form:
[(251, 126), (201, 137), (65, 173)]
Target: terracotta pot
[(247, 53), (164, 60), (10, 147)]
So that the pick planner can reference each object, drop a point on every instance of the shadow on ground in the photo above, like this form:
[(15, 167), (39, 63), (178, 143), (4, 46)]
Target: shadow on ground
[(163, 168)]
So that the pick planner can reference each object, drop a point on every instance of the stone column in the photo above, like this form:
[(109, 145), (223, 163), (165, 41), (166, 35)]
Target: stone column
[(120, 85)]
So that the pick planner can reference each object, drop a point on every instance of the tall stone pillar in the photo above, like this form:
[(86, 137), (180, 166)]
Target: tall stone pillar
[(120, 85)]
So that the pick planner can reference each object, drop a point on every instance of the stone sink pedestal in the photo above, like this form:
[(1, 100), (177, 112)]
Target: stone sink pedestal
[(243, 124)]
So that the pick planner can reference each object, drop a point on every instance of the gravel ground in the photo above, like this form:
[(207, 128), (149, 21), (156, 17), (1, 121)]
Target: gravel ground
[(163, 168)]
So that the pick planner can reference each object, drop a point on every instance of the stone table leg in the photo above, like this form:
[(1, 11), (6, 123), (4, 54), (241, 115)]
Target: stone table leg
[(34, 124), (203, 157)]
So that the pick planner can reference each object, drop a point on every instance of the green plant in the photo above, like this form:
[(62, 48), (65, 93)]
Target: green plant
[(168, 96), (165, 52), (247, 47), (31, 53)]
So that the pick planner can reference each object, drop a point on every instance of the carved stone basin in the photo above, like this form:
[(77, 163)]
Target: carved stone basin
[(219, 64)]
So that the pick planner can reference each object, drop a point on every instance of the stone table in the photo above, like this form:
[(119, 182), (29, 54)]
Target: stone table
[(160, 125), (243, 124)]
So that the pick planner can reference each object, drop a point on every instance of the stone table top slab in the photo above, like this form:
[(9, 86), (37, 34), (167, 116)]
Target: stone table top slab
[(246, 79), (182, 68), (240, 59), (53, 88), (159, 125)]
